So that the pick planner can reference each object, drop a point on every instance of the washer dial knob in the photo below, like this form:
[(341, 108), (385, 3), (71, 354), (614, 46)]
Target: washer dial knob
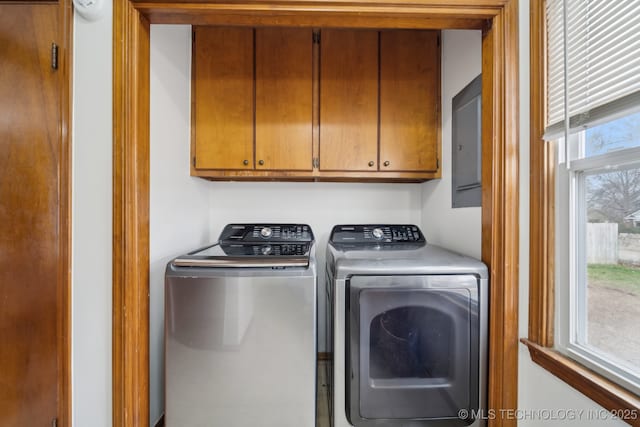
[(378, 233), (266, 232)]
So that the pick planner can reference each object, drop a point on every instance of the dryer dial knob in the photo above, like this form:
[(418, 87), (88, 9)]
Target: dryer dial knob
[(266, 250), (266, 232), (378, 233)]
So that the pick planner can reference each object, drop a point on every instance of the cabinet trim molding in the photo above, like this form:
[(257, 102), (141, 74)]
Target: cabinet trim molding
[(497, 18)]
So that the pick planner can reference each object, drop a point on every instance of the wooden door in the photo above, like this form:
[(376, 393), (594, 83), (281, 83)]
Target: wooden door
[(223, 98), (284, 90), (30, 203), (409, 100), (349, 100)]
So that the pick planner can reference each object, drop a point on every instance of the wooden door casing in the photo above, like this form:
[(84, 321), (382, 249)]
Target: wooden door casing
[(33, 235), (349, 100), (499, 21)]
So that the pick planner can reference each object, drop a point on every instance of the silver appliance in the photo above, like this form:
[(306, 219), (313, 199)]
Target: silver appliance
[(240, 330), (408, 330)]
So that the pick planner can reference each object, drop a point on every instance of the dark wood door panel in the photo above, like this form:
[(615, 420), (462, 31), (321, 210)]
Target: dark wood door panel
[(29, 235)]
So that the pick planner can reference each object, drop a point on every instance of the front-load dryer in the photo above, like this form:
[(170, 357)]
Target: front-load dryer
[(408, 330)]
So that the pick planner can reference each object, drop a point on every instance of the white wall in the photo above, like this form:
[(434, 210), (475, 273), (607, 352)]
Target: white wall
[(456, 229), (91, 223), (179, 204), (538, 390), (177, 201), (180, 216), (321, 205), (460, 230)]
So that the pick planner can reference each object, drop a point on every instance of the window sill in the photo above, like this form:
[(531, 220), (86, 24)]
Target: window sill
[(609, 395)]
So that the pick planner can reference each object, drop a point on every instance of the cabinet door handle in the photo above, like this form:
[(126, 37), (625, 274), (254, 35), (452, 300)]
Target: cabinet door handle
[(371, 163), (261, 162), (245, 162), (386, 163)]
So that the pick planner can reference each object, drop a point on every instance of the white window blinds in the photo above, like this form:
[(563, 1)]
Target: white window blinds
[(603, 62)]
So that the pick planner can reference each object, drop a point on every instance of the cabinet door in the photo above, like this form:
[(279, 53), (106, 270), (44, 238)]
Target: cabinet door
[(349, 100), (409, 97), (284, 89), (223, 98)]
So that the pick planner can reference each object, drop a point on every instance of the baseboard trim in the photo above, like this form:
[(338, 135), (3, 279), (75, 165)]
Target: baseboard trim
[(160, 422), (325, 356)]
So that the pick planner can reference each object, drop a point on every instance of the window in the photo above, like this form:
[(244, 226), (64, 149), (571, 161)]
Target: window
[(585, 136), (598, 195)]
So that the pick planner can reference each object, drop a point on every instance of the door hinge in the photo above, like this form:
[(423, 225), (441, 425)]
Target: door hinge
[(193, 161), (315, 163), (438, 41), (54, 56), (54, 422), (438, 163), (316, 37)]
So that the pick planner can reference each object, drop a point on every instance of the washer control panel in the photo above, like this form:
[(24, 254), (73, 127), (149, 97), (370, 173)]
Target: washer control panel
[(265, 250), (377, 233), (260, 233)]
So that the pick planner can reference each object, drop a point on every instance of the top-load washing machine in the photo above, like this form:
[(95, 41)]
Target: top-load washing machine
[(240, 330), (408, 330)]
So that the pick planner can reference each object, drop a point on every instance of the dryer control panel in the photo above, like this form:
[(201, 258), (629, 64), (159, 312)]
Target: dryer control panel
[(376, 233)]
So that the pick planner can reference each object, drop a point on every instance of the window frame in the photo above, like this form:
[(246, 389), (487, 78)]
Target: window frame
[(542, 268), (573, 326)]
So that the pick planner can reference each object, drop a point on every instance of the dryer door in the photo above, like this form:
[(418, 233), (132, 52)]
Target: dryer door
[(412, 350)]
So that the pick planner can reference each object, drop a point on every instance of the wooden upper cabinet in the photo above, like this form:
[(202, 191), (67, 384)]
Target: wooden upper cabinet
[(284, 89), (279, 103), (409, 100), (223, 99), (349, 100)]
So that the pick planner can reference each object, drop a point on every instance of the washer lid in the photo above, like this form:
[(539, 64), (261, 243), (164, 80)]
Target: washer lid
[(264, 245), (248, 255)]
